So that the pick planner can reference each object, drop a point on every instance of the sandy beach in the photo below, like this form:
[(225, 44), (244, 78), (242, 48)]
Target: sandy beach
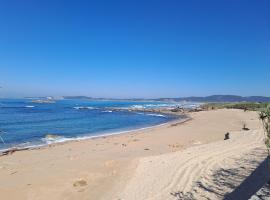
[(188, 160)]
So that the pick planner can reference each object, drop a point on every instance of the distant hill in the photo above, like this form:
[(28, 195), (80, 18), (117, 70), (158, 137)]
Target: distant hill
[(213, 98), (221, 98), (77, 97)]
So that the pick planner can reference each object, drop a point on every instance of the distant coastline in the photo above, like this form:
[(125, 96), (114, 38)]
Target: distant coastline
[(206, 99)]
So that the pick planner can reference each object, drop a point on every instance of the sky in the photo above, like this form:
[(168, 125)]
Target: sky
[(134, 48)]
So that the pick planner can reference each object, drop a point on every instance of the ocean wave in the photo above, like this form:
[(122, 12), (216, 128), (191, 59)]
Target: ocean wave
[(151, 114), (159, 105), (165, 105), (29, 106), (16, 107), (162, 105), (156, 115), (83, 108), (107, 111), (53, 138), (140, 113), (138, 106)]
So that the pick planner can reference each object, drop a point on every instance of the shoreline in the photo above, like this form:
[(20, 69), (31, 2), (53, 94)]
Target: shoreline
[(65, 140), (124, 165)]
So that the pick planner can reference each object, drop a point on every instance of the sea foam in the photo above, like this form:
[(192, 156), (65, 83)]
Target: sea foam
[(83, 108), (29, 106)]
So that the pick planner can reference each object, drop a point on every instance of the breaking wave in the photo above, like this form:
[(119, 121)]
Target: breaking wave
[(83, 108), (29, 106)]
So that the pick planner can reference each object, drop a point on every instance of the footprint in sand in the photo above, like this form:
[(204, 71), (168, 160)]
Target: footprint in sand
[(80, 183), (175, 147), (133, 140), (13, 173)]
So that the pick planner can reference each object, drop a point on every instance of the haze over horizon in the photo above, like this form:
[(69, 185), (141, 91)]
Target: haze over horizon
[(140, 49)]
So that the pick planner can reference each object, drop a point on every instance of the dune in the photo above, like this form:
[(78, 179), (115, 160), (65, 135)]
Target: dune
[(209, 171)]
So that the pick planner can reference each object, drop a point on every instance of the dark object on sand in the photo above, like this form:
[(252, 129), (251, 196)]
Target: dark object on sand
[(80, 183), (245, 128), (11, 151), (227, 136)]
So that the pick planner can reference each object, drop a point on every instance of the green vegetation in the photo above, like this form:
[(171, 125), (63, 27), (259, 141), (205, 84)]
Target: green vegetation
[(252, 106), (264, 116)]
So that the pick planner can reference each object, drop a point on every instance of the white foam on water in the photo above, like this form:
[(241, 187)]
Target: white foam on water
[(151, 114), (29, 106), (56, 139), (140, 113), (138, 106), (165, 105), (156, 115), (83, 108), (107, 111)]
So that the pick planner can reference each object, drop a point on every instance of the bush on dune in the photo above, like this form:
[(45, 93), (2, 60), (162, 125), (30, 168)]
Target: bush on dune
[(264, 116), (253, 106)]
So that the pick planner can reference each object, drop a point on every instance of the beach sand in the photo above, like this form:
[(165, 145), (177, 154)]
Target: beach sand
[(187, 160)]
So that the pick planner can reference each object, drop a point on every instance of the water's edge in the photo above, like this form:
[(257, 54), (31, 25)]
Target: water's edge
[(180, 119)]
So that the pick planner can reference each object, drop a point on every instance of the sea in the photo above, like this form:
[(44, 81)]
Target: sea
[(28, 124)]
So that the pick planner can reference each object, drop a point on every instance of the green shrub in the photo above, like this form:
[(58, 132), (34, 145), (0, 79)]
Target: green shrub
[(252, 106), (264, 116)]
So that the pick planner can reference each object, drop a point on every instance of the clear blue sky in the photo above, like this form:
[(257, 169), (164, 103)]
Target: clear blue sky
[(147, 48)]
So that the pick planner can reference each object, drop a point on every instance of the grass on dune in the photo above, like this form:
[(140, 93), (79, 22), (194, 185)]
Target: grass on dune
[(252, 106), (264, 116)]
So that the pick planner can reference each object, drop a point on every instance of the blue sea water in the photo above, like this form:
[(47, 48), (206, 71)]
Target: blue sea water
[(24, 123)]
